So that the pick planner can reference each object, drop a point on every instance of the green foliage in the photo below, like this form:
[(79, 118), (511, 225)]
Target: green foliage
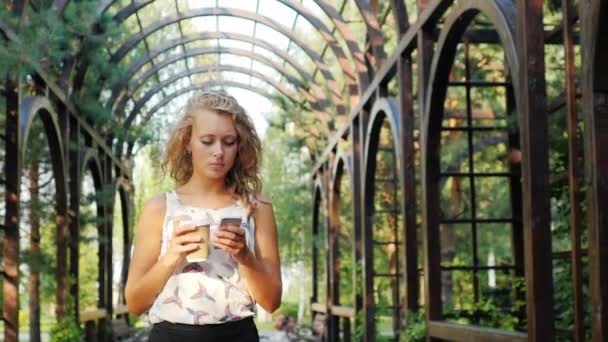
[(497, 309), (88, 258), (358, 326), (43, 41), (285, 176), (67, 329), (148, 176), (288, 308), (554, 5), (305, 128), (562, 267), (415, 328)]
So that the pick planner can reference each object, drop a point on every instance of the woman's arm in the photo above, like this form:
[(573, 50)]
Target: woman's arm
[(262, 271), (147, 273)]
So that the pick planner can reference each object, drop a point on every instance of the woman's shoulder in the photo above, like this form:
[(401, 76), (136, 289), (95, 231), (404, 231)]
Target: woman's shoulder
[(259, 198), (262, 205), (153, 213), (156, 205)]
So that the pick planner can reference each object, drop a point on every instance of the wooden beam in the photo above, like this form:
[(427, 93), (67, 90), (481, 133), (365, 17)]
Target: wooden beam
[(595, 114), (457, 332), (535, 168)]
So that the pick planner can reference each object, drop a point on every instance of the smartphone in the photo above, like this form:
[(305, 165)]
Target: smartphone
[(230, 221)]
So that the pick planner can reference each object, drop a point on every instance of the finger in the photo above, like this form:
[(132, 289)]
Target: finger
[(188, 247), (224, 234), (180, 230), (222, 247), (228, 249), (186, 239), (236, 230), (229, 236), (229, 243)]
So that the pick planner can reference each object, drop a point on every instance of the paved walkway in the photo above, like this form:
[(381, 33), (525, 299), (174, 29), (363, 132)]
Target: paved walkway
[(273, 336), (265, 336)]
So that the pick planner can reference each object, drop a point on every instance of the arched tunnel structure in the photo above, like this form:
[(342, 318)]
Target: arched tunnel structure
[(446, 126)]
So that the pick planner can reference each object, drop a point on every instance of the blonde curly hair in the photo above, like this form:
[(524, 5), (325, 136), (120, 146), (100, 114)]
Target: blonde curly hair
[(244, 176)]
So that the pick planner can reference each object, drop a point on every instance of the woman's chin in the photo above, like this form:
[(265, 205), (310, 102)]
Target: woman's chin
[(214, 174)]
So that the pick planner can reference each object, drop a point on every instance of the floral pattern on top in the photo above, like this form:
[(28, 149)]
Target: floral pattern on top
[(207, 292)]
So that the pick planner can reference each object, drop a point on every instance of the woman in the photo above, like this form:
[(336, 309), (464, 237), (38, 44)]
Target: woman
[(214, 156)]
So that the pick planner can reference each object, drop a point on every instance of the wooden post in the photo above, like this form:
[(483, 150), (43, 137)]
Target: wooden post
[(595, 111), (535, 171)]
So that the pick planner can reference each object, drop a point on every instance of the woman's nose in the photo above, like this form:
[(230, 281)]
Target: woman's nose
[(218, 150)]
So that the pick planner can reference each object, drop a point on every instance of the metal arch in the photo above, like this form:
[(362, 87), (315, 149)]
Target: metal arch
[(90, 161), (62, 97), (200, 70), (373, 30), (311, 97), (320, 188), (317, 207), (334, 91), (205, 36), (192, 88), (37, 105), (133, 86), (347, 69), (342, 161), (383, 108), (401, 17), (134, 40), (351, 42), (502, 15), (130, 9), (29, 109), (206, 85), (323, 30), (125, 207), (333, 231), (342, 166)]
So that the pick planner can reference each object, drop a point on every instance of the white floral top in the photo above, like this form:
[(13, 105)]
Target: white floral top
[(208, 292)]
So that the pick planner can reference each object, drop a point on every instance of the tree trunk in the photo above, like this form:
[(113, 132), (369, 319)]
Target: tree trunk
[(34, 276)]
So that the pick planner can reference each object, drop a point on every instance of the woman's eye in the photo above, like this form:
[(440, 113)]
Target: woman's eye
[(229, 143), (206, 142)]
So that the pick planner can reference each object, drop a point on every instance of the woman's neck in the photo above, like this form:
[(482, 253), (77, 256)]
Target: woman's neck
[(207, 186)]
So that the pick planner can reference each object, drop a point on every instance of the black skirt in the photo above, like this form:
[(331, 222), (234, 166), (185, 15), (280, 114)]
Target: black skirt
[(237, 331)]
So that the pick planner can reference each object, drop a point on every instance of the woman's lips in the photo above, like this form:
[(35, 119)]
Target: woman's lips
[(217, 165)]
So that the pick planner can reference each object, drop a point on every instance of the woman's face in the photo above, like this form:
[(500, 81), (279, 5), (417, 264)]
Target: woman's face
[(214, 144)]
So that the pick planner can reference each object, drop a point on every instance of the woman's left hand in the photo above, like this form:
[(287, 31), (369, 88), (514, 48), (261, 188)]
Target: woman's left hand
[(231, 238)]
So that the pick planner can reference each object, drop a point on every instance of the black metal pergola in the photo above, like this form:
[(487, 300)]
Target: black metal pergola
[(388, 79)]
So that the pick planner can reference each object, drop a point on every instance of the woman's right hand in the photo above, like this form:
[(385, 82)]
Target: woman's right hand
[(181, 242)]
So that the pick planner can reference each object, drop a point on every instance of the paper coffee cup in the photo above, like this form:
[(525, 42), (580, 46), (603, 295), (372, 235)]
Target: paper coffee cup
[(202, 252)]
